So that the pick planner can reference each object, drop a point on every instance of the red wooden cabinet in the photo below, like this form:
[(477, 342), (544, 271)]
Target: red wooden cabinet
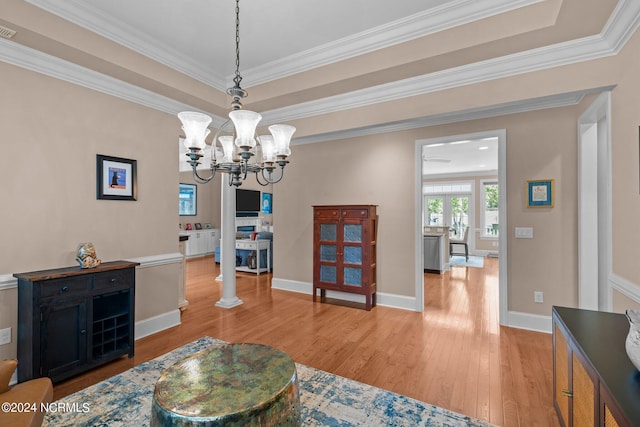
[(344, 250)]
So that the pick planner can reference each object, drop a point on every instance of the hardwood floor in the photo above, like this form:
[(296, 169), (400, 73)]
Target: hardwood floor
[(454, 354)]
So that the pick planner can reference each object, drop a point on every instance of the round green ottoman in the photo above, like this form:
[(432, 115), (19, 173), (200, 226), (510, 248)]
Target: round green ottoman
[(230, 385)]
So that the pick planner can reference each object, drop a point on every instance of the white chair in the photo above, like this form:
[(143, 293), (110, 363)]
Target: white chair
[(462, 242)]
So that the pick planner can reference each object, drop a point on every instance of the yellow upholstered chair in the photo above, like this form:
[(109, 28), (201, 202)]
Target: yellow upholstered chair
[(33, 392)]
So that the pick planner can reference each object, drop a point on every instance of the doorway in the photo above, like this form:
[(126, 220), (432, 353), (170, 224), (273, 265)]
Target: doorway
[(421, 166), (594, 205)]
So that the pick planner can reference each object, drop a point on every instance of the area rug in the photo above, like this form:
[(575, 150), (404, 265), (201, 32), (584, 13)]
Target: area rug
[(459, 261), (325, 399)]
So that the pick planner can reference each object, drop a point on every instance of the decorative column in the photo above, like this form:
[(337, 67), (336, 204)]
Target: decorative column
[(223, 185), (228, 246)]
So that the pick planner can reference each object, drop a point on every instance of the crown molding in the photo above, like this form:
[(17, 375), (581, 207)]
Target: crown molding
[(621, 25), (83, 14), (542, 103), (623, 22), (446, 16), (449, 15), (35, 60)]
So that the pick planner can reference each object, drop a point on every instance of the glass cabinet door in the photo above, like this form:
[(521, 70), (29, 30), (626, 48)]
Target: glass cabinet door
[(352, 254), (328, 252)]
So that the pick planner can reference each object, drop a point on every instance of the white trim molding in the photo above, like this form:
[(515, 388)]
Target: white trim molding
[(49, 65), (155, 260), (155, 324), (449, 15), (625, 287), (7, 281), (382, 299)]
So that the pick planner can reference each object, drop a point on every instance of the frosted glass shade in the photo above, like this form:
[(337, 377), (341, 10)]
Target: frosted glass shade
[(195, 126), (245, 122), (268, 148), (227, 148), (282, 138)]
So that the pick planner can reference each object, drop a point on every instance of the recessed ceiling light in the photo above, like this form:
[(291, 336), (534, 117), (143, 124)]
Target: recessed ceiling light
[(459, 142), (434, 145), (484, 147)]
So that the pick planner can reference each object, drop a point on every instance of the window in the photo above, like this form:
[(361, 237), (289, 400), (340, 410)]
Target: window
[(447, 205), (489, 217)]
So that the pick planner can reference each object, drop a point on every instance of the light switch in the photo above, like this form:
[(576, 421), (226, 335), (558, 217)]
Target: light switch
[(5, 336), (524, 233)]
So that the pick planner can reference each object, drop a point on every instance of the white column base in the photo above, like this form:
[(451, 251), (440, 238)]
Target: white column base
[(229, 303)]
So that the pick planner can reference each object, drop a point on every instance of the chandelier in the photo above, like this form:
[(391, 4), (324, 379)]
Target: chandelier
[(237, 149)]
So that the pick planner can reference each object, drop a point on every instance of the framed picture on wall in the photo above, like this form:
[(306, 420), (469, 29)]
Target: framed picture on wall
[(115, 178), (540, 193), (187, 200), (266, 203)]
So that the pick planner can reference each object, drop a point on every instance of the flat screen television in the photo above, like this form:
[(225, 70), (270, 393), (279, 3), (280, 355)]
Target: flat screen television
[(247, 200)]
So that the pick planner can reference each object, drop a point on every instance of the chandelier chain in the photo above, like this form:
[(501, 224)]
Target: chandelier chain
[(237, 79)]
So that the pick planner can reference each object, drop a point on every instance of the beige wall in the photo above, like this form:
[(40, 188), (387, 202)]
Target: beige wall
[(621, 302), (625, 169), (52, 131), (380, 170)]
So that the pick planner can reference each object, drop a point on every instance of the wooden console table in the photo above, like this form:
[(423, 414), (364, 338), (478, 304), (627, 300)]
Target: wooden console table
[(595, 383), (73, 319)]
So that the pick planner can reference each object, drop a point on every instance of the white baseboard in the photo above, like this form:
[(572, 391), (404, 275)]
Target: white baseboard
[(157, 323), (531, 322), (397, 301), (383, 299)]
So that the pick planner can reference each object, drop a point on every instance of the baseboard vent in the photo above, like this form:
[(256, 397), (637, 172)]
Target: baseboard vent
[(7, 33), (493, 255)]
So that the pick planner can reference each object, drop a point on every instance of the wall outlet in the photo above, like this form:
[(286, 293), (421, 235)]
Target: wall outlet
[(5, 336), (538, 297)]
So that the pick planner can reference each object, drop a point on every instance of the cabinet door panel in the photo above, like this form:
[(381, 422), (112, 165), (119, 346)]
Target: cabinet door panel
[(583, 395), (609, 420), (561, 364), (353, 233), (63, 337), (328, 253), (328, 274), (353, 276), (353, 255), (328, 232)]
